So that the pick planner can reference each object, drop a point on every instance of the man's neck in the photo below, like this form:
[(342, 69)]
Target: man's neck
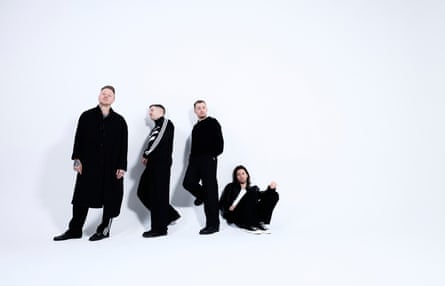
[(243, 185), (105, 109), (159, 120)]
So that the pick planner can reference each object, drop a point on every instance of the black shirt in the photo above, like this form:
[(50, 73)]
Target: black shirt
[(207, 138)]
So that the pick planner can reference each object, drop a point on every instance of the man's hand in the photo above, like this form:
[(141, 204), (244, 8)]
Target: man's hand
[(120, 174), (144, 161), (77, 166)]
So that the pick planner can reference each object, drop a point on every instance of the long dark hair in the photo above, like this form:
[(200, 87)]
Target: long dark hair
[(235, 180)]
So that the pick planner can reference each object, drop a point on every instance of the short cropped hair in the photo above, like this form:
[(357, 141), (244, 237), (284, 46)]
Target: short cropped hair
[(158, 105), (198, 101), (108, 87)]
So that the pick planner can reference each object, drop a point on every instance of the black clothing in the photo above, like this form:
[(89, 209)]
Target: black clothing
[(204, 168), (207, 144), (79, 216), (254, 207), (207, 138), (101, 145), (162, 151), (154, 184), (266, 203), (78, 219)]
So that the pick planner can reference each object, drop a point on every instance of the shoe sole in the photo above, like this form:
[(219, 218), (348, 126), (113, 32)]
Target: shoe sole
[(206, 233), (66, 238), (156, 235), (252, 231)]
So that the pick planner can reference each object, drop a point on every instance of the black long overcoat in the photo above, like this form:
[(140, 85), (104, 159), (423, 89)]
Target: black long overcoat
[(101, 144)]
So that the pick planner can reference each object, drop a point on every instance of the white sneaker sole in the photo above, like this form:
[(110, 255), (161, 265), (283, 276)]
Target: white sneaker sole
[(253, 231)]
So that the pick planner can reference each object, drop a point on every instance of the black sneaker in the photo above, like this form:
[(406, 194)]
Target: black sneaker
[(262, 227), (251, 229)]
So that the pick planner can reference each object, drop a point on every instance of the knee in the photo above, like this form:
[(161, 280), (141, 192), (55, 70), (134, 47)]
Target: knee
[(272, 196), (275, 196)]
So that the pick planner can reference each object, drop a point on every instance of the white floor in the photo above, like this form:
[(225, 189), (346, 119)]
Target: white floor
[(296, 253)]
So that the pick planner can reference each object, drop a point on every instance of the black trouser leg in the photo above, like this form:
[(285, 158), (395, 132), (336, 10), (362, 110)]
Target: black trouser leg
[(210, 186), (159, 195), (192, 178), (172, 213), (143, 187), (105, 225), (153, 191), (78, 219), (267, 202), (245, 213)]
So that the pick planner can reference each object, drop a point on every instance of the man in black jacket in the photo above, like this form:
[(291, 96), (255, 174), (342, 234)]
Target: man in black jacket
[(154, 185), (100, 160), (207, 145)]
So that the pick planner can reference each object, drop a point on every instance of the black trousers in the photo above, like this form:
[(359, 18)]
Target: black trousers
[(203, 168), (80, 215), (245, 213), (255, 207), (267, 201), (154, 193)]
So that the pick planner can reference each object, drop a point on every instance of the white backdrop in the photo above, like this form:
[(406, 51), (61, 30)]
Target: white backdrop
[(340, 102)]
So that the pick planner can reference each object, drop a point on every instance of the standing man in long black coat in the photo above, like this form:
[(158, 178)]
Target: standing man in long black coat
[(100, 160), (207, 145), (154, 185)]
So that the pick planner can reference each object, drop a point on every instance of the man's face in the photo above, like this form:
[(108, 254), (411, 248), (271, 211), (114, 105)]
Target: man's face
[(201, 110), (241, 176), (155, 113), (106, 97)]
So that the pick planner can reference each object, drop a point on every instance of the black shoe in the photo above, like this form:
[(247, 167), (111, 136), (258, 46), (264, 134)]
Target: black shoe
[(252, 229), (174, 218), (154, 233), (198, 201), (98, 236), (209, 230), (67, 235), (262, 227)]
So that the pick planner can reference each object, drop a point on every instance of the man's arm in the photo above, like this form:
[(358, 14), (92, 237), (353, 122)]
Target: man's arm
[(218, 140)]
